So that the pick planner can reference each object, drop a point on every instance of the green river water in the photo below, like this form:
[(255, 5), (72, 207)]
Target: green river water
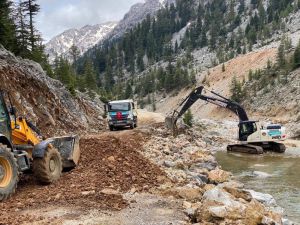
[(275, 174)]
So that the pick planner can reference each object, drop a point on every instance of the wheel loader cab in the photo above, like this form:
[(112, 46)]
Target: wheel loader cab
[(246, 128), (5, 126)]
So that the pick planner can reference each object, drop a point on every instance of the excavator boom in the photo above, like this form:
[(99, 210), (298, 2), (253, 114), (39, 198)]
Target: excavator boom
[(195, 95)]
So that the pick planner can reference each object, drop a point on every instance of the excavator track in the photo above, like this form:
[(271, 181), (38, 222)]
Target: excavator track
[(278, 147), (245, 148)]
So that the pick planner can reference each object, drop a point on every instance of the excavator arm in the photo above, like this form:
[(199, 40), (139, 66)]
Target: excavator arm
[(216, 99)]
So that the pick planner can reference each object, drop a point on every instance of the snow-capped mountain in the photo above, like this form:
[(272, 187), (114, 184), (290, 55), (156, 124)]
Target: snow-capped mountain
[(83, 38), (136, 14), (89, 36)]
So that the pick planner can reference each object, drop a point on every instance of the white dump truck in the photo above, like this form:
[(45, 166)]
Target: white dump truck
[(121, 113)]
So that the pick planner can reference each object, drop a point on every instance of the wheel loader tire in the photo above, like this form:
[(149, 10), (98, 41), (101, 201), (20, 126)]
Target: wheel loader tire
[(9, 173), (49, 168)]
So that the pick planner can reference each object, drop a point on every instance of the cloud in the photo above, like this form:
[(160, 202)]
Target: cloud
[(59, 15)]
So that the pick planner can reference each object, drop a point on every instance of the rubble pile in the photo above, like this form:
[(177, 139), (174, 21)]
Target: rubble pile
[(45, 101), (109, 166)]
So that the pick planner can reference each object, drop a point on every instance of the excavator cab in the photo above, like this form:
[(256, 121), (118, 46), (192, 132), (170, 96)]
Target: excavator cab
[(246, 128)]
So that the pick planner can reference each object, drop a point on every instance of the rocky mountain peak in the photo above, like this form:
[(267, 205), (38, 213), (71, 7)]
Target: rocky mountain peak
[(84, 38), (136, 14)]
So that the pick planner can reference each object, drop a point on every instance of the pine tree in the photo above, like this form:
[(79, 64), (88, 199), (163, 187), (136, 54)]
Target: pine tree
[(242, 6), (297, 56), (192, 79), (231, 14), (281, 61), (176, 47), (223, 67), (188, 118), (153, 104), (213, 36), (90, 76), (7, 27), (22, 32), (203, 39), (128, 91), (250, 75), (236, 90), (63, 72), (31, 9), (261, 13), (74, 51), (108, 78)]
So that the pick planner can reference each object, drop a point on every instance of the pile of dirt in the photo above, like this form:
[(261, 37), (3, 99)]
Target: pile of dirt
[(45, 101), (110, 165)]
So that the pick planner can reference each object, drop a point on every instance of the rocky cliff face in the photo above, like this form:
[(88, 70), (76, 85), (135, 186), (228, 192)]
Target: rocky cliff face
[(83, 38), (46, 101), (136, 14)]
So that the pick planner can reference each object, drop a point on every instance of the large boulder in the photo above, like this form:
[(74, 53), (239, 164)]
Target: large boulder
[(218, 176), (266, 199), (220, 207)]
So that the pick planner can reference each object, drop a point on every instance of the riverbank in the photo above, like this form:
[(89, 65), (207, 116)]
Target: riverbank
[(210, 195), (275, 174)]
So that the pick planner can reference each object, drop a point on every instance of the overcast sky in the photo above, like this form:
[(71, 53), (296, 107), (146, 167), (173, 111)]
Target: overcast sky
[(57, 16)]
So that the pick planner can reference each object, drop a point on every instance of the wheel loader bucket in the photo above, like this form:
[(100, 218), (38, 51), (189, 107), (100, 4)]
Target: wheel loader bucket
[(68, 146)]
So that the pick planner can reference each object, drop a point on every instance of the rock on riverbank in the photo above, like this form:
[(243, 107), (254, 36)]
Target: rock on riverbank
[(210, 194)]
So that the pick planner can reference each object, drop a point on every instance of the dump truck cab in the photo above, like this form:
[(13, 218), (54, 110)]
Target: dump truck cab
[(121, 113)]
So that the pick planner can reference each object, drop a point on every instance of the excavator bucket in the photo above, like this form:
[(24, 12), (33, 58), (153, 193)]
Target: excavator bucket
[(68, 146), (169, 122)]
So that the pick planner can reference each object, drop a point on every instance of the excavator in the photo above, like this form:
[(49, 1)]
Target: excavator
[(23, 149), (252, 136)]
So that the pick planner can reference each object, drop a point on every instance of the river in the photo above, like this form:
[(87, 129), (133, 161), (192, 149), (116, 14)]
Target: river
[(275, 174)]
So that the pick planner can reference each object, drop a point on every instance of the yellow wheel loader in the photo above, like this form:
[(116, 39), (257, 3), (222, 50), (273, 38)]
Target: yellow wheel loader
[(23, 149)]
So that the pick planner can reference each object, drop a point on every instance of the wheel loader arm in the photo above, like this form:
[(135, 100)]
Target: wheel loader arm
[(195, 95)]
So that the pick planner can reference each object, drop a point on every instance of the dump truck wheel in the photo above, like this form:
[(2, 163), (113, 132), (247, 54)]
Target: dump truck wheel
[(9, 174), (49, 168)]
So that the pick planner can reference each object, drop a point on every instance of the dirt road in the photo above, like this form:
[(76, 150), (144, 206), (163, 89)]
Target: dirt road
[(112, 185)]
